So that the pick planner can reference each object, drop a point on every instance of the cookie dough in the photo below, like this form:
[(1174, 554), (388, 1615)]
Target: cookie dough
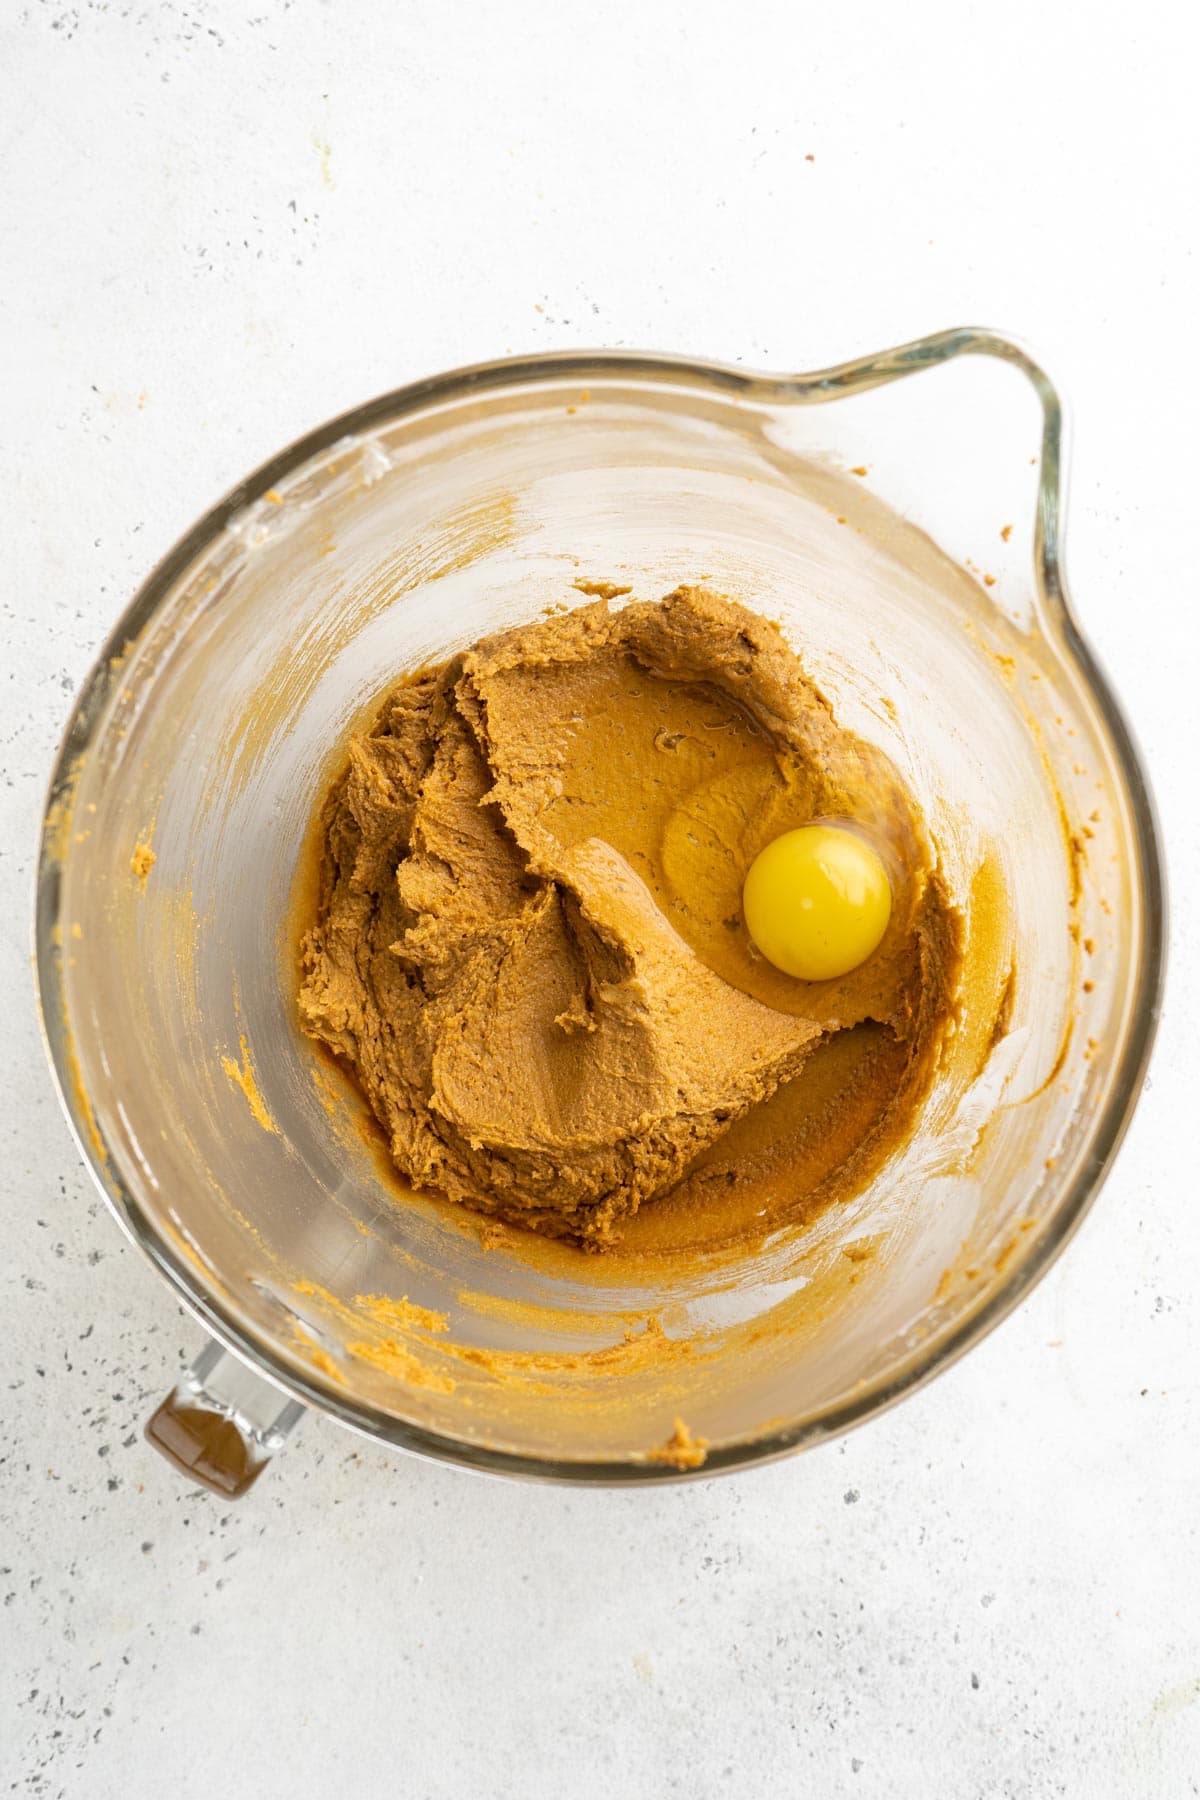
[(529, 945)]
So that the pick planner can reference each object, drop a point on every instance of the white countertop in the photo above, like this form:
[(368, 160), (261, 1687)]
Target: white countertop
[(216, 232)]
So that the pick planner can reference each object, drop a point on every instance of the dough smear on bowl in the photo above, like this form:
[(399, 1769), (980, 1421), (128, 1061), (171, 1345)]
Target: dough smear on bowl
[(529, 946)]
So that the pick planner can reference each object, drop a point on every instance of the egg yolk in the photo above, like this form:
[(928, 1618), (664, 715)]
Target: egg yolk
[(817, 902)]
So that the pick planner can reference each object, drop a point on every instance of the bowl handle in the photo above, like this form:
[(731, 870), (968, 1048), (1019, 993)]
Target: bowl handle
[(867, 372), (221, 1425)]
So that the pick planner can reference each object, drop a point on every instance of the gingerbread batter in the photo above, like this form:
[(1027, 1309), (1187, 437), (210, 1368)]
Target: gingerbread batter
[(529, 945)]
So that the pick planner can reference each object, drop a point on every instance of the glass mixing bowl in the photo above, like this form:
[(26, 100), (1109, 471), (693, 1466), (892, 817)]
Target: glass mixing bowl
[(906, 535)]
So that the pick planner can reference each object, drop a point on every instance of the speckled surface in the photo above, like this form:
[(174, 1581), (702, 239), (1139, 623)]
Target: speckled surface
[(217, 231)]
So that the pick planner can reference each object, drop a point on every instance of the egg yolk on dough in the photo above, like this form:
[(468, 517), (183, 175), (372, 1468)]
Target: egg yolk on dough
[(817, 902)]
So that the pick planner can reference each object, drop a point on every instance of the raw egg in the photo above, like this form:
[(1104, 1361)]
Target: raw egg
[(817, 902)]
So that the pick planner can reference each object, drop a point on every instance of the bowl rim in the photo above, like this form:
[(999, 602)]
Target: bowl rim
[(943, 1348)]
